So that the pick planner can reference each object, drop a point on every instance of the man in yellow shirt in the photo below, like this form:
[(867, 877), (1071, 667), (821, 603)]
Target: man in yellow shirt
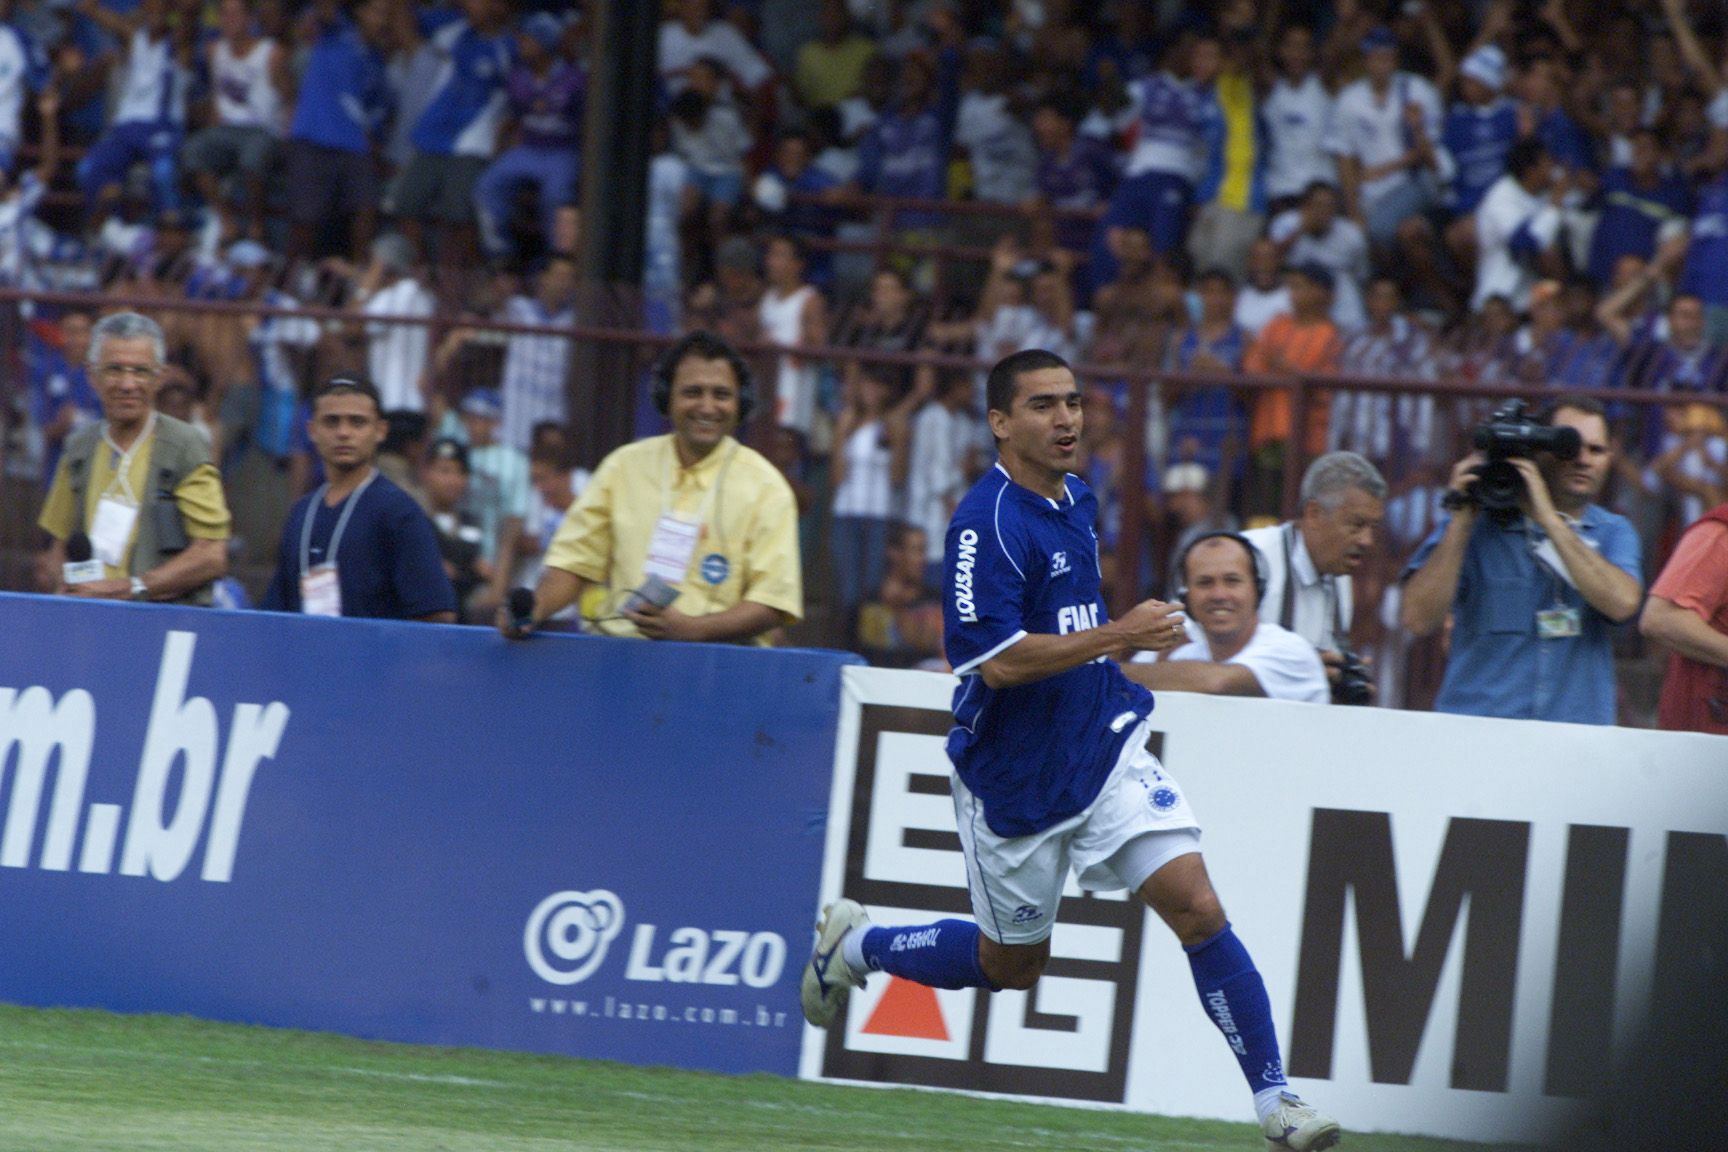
[(137, 486), (712, 519)]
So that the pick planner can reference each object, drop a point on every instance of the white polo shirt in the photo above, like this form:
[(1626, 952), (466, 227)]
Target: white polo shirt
[(1314, 595), (1286, 666)]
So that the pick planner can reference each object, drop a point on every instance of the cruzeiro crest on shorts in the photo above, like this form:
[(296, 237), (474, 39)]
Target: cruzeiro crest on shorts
[(1161, 793)]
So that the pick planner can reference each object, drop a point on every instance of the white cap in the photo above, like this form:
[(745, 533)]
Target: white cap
[(1487, 66)]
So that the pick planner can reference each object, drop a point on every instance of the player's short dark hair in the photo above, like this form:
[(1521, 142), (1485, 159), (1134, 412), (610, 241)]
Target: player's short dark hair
[(1003, 383), (348, 386)]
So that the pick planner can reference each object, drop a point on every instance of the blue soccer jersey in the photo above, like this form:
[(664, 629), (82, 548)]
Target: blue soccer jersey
[(1478, 139), (1018, 563), (343, 96), (1706, 271), (467, 109)]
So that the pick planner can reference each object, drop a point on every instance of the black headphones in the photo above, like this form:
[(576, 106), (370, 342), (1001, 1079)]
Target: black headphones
[(1253, 555), (703, 345)]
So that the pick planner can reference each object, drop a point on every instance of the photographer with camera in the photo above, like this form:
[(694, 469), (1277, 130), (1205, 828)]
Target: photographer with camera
[(136, 510), (1531, 570), (1308, 564), (688, 536)]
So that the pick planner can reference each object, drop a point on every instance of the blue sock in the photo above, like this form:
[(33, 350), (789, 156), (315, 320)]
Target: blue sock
[(940, 955), (1234, 997)]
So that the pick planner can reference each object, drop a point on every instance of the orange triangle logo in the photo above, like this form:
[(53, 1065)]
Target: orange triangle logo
[(908, 1009)]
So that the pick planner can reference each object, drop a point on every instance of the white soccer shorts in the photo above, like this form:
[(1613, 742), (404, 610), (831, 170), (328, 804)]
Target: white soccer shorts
[(1016, 881)]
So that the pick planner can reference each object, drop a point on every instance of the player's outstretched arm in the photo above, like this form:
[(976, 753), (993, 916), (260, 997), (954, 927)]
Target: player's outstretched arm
[(1195, 676), (1150, 625)]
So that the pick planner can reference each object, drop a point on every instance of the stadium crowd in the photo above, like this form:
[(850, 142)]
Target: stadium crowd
[(1485, 191)]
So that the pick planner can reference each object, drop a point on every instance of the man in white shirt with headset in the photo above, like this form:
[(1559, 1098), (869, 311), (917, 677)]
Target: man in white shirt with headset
[(1239, 654)]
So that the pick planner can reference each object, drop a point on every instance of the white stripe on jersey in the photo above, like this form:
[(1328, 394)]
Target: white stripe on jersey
[(990, 655), (996, 518)]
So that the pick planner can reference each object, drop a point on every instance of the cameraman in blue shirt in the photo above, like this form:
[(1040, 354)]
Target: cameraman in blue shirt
[(1532, 594)]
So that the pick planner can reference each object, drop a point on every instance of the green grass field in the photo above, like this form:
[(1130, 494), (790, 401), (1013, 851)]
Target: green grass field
[(94, 1080)]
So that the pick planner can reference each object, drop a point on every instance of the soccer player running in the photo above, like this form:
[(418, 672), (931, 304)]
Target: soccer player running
[(1051, 770)]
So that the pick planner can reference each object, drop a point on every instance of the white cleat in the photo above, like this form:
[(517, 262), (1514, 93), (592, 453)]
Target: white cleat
[(1296, 1127), (828, 979)]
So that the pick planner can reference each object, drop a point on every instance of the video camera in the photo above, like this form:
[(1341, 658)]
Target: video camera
[(1509, 433), (1355, 683)]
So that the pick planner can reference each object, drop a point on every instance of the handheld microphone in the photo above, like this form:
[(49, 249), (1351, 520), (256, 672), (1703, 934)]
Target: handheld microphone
[(80, 566), (521, 609)]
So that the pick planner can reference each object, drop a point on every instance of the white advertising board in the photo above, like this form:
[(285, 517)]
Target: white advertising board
[(1461, 922)]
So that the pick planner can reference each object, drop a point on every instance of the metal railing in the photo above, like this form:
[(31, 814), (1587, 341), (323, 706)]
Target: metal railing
[(1141, 384)]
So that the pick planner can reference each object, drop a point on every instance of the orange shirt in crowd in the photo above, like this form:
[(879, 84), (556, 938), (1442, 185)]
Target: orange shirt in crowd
[(1696, 579), (1289, 345)]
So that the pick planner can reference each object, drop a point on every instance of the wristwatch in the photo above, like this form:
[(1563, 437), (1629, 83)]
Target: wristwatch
[(139, 591)]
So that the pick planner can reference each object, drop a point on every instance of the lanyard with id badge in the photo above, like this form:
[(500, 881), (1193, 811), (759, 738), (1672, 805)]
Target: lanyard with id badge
[(320, 594), (675, 537), (117, 509), (1559, 621)]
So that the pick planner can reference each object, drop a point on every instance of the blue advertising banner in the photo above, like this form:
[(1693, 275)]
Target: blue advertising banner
[(595, 847)]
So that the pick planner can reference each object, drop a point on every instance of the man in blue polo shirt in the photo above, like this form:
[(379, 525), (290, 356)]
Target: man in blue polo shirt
[(358, 545), (1532, 596), (1051, 771)]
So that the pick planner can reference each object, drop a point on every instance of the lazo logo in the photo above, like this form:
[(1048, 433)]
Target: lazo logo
[(575, 927), (568, 933), (718, 957), (182, 732)]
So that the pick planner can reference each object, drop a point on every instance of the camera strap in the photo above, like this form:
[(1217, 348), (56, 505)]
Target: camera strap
[(1547, 554), (1287, 605)]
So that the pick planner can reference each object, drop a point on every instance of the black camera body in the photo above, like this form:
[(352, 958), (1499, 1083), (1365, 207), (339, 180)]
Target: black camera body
[(1510, 433), (1354, 685)]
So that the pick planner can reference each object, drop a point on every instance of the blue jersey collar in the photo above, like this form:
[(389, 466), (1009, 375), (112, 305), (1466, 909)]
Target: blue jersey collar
[(1042, 501)]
